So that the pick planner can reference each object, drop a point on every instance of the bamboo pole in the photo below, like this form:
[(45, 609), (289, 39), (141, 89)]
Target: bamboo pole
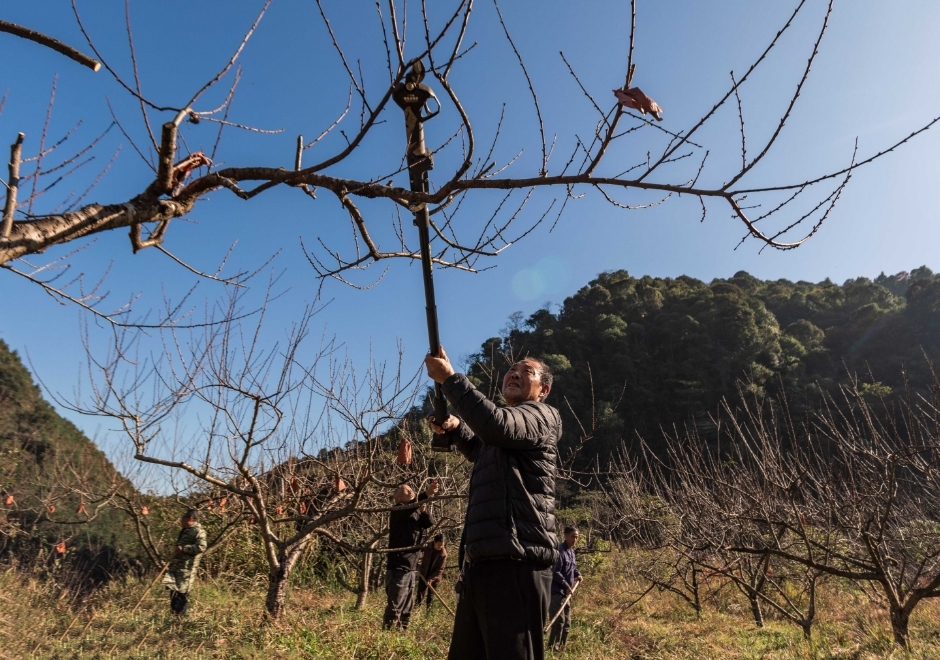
[(94, 613), (560, 609), (434, 591), (68, 627)]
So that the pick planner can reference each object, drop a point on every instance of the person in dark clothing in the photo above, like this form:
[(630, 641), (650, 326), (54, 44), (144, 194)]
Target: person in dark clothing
[(405, 530), (431, 571), (509, 543), (565, 575)]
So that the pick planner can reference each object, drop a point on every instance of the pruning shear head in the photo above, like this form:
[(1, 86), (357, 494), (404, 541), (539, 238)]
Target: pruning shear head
[(413, 95)]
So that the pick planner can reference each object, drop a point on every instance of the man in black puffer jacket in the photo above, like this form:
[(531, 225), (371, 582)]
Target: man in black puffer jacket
[(509, 543)]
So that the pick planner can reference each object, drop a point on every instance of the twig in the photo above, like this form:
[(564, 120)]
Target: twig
[(535, 99)]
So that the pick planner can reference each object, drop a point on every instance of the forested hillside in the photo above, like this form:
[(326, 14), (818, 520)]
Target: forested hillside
[(55, 484), (646, 353)]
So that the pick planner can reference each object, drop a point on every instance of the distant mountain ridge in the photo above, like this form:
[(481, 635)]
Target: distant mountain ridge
[(665, 351)]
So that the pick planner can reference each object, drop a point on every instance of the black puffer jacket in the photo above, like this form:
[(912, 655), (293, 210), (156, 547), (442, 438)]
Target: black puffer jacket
[(511, 513)]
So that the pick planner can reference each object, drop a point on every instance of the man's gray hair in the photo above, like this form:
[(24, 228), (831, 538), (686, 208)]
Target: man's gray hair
[(546, 377)]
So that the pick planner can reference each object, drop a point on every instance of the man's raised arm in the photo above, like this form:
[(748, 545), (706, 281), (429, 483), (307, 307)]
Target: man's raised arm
[(518, 427)]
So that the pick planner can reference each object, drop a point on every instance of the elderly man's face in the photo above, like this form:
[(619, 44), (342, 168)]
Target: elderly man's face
[(571, 539), (186, 522), (522, 383), (403, 494), (438, 545)]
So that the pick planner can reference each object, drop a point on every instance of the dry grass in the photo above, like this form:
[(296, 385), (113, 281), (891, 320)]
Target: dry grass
[(322, 623)]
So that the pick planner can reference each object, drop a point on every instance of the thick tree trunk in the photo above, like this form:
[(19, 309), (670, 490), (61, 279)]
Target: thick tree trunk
[(756, 610), (364, 574), (279, 578), (900, 618), (277, 592), (807, 627), (807, 623)]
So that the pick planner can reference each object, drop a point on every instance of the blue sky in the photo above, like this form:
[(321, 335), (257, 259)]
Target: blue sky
[(876, 79)]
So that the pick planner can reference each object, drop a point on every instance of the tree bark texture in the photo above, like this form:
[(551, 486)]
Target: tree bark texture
[(35, 236), (900, 620), (697, 601), (277, 593), (278, 580), (756, 610), (364, 574)]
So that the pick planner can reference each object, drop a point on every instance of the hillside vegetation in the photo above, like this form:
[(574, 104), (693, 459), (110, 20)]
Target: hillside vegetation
[(54, 482), (639, 355), (322, 622)]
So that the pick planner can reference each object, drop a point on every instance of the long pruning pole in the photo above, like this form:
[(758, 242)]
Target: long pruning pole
[(412, 96), (434, 591)]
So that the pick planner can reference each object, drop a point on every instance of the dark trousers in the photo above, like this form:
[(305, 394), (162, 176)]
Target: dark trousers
[(562, 624), (399, 590), (501, 612), (424, 591), (178, 602)]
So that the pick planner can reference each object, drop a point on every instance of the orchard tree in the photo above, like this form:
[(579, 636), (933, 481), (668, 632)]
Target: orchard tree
[(293, 442), (666, 161)]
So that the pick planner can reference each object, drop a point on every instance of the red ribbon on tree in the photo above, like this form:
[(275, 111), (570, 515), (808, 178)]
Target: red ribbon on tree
[(404, 452), (81, 508), (8, 500), (144, 511), (60, 548), (340, 484)]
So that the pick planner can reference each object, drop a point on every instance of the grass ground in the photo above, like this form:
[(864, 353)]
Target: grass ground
[(323, 623)]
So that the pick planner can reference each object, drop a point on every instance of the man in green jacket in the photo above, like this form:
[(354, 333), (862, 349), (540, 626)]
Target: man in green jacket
[(179, 578)]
